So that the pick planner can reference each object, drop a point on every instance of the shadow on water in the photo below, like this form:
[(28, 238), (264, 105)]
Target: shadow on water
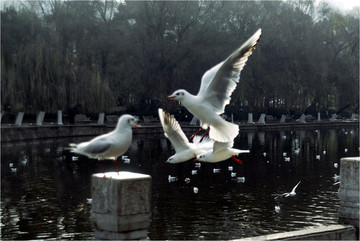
[(44, 188)]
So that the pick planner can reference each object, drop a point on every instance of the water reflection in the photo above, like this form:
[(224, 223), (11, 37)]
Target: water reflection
[(45, 189)]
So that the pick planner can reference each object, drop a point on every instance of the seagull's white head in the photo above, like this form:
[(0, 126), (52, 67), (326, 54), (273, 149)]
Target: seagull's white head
[(171, 160), (178, 95), (202, 157), (128, 120)]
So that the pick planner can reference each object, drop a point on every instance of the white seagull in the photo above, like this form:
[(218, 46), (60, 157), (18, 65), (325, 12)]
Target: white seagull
[(289, 194), (184, 150), (110, 145), (217, 85), (221, 152)]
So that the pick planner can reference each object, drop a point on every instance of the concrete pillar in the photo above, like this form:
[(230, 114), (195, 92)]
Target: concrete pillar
[(121, 205), (349, 191), (59, 118), (283, 118), (301, 119), (250, 118), (262, 119), (19, 118), (101, 119), (40, 118)]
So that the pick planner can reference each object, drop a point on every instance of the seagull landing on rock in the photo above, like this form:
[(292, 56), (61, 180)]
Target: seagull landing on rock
[(217, 85), (221, 151), (183, 148), (110, 145)]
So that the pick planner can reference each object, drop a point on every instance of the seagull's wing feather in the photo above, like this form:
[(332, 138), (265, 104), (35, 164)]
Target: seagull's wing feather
[(220, 146), (207, 78), (223, 82), (293, 190), (97, 146), (173, 131)]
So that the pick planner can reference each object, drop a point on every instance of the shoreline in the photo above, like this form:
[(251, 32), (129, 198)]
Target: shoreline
[(12, 133)]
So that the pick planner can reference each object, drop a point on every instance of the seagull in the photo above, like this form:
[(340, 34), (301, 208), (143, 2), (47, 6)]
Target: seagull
[(277, 209), (183, 148), (241, 179), (217, 85), (216, 170), (172, 179), (110, 145), (220, 152), (289, 194)]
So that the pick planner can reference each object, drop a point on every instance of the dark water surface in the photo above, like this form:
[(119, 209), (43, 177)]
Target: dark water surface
[(44, 189)]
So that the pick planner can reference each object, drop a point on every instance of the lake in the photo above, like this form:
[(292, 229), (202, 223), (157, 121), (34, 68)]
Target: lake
[(45, 189)]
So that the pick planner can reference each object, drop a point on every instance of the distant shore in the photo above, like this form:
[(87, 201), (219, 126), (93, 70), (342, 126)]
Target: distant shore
[(13, 133)]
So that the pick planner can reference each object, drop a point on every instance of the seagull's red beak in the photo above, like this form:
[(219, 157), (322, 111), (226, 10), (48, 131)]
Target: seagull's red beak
[(196, 159), (166, 162), (169, 98), (137, 126)]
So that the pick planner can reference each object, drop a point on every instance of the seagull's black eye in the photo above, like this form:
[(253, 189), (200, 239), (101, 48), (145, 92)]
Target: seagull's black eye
[(177, 93)]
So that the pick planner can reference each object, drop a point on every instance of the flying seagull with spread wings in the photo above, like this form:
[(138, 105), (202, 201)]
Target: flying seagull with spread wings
[(217, 85)]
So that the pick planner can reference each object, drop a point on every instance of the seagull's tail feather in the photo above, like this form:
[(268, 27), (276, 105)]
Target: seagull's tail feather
[(224, 131)]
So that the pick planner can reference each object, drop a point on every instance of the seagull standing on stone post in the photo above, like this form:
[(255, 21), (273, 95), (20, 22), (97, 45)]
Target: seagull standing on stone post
[(110, 145)]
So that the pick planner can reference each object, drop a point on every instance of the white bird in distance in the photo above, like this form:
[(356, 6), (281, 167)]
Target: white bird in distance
[(217, 85), (289, 194)]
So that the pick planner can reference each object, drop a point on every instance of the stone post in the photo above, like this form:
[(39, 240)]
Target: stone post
[(59, 118), (101, 119), (250, 118), (349, 191), (40, 118), (19, 118), (121, 205)]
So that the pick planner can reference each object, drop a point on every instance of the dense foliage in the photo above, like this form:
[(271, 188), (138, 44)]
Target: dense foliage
[(94, 55)]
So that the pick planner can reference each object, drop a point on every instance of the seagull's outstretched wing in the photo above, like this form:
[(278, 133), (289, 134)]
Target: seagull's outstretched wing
[(220, 146), (293, 190), (173, 131), (219, 82)]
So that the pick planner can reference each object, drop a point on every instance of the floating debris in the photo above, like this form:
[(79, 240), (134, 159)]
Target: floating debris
[(230, 168), (196, 190), (187, 180), (233, 174), (336, 165), (193, 172)]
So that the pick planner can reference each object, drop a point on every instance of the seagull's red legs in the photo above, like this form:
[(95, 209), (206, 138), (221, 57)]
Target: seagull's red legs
[(116, 164), (207, 132), (102, 166), (237, 160), (192, 137)]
